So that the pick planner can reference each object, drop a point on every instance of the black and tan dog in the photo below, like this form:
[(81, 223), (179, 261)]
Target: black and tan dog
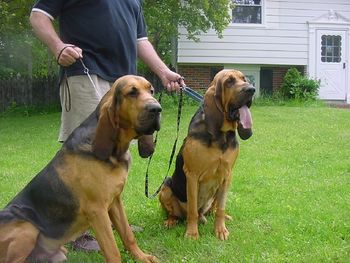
[(204, 164), (81, 187)]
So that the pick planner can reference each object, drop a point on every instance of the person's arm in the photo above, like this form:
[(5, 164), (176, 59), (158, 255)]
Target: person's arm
[(44, 30), (148, 55)]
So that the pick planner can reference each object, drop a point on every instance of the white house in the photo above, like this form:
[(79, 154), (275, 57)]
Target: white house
[(266, 37)]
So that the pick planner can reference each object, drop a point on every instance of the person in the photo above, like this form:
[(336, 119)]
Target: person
[(105, 37), (108, 36)]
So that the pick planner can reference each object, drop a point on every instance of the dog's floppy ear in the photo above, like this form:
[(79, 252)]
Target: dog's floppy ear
[(145, 145), (107, 127), (213, 108), (219, 93)]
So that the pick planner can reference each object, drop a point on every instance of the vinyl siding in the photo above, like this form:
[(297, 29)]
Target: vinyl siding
[(282, 38)]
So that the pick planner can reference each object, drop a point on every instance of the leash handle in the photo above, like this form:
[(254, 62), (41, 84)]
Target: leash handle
[(179, 111), (66, 91)]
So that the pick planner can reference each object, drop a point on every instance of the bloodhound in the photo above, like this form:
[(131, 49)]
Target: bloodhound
[(81, 186), (204, 164)]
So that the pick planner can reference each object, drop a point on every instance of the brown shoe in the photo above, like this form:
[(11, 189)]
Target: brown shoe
[(85, 243)]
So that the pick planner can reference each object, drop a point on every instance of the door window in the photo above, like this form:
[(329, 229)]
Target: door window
[(331, 48)]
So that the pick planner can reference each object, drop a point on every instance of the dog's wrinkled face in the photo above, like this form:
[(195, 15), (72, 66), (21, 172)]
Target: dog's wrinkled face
[(236, 95), (231, 95), (137, 106), (126, 112)]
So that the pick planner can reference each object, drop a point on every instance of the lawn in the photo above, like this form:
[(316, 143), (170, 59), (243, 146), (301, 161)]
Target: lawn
[(290, 195)]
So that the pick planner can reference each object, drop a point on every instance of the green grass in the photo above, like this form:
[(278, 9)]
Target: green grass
[(290, 195)]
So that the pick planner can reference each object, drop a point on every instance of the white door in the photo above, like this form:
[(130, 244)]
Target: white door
[(331, 66)]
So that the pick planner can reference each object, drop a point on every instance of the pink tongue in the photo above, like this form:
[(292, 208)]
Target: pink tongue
[(245, 117)]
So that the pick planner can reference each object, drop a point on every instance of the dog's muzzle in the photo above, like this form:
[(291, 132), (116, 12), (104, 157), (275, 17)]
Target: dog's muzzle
[(149, 120), (240, 110)]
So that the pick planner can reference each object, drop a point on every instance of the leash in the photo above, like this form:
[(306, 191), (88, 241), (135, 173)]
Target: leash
[(195, 96), (179, 110), (192, 94), (86, 71), (66, 91)]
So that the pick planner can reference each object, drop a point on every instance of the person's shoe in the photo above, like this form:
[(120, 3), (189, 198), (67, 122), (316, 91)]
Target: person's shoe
[(85, 243), (136, 228)]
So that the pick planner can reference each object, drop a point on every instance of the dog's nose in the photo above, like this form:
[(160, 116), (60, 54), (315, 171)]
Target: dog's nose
[(250, 89), (153, 108)]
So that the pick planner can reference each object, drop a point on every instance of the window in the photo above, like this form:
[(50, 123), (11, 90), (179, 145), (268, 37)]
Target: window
[(331, 49), (247, 11)]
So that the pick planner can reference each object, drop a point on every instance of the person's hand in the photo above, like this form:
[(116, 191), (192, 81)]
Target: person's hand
[(172, 81), (67, 54)]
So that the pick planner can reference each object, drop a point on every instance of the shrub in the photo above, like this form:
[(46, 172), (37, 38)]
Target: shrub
[(297, 86)]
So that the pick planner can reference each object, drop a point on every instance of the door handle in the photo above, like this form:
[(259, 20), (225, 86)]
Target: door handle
[(344, 65)]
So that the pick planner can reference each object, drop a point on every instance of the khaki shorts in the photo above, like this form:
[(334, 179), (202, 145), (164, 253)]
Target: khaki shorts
[(79, 100)]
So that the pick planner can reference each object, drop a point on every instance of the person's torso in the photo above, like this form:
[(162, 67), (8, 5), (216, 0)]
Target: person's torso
[(106, 31)]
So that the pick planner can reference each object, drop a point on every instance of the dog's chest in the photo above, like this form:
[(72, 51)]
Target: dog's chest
[(96, 180), (213, 177), (210, 165)]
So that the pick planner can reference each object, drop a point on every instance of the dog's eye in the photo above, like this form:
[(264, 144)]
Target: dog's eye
[(152, 91), (133, 92), (231, 81)]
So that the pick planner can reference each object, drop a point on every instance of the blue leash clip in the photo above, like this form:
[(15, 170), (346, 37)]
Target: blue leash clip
[(192, 94)]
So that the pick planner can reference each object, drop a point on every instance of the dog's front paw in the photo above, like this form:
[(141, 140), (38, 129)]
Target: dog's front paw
[(221, 232), (146, 258), (192, 234)]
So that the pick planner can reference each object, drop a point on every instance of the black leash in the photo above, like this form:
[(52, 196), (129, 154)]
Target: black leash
[(179, 110), (195, 96)]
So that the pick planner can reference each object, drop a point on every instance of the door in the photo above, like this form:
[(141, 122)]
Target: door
[(331, 66)]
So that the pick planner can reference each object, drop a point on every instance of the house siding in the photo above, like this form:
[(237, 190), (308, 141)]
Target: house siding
[(282, 39)]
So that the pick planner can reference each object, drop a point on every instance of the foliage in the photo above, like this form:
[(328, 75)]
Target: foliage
[(21, 53), (164, 17), (296, 86)]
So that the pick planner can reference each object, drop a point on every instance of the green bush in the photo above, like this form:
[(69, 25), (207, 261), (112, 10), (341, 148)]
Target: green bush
[(296, 86)]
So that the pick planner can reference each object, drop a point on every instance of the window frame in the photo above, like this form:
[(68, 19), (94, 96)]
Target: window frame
[(262, 24)]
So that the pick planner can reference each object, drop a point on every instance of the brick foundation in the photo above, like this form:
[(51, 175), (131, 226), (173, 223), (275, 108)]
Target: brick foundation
[(196, 77), (277, 77), (199, 77)]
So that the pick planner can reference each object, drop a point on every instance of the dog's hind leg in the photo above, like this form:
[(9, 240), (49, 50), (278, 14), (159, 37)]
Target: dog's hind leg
[(17, 240), (171, 206)]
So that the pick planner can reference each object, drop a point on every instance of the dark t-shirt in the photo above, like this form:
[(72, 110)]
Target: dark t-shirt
[(106, 30)]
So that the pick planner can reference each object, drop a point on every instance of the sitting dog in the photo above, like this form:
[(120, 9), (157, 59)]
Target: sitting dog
[(81, 186), (204, 164)]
